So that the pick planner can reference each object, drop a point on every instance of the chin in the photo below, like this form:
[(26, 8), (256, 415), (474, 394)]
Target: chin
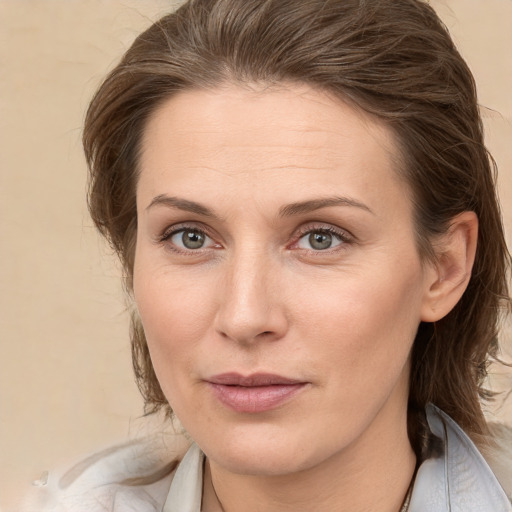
[(271, 451), (261, 462)]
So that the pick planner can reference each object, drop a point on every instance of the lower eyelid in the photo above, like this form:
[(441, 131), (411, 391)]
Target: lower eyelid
[(341, 237), (337, 240), (207, 239)]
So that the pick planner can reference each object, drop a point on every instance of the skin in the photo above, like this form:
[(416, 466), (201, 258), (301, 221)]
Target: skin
[(258, 297)]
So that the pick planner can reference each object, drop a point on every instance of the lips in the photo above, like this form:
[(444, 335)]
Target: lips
[(254, 393)]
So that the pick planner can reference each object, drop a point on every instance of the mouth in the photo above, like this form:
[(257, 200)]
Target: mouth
[(254, 393)]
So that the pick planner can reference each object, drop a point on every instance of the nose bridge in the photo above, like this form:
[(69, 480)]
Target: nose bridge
[(250, 305)]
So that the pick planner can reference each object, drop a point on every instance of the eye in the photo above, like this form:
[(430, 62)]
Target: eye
[(320, 240), (190, 239)]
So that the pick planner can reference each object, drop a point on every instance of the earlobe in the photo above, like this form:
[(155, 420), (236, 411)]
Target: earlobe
[(448, 277)]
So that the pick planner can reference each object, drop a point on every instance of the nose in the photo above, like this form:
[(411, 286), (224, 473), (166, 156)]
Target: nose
[(251, 303)]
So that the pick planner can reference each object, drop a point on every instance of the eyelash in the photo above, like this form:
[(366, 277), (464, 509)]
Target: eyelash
[(342, 235), (173, 230)]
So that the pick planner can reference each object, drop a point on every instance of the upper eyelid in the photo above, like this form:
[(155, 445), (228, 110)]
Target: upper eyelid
[(183, 226), (164, 239), (324, 226)]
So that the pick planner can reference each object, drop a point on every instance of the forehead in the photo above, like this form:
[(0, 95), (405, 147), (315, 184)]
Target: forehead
[(264, 139)]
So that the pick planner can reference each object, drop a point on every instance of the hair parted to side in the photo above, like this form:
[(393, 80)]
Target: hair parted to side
[(391, 58)]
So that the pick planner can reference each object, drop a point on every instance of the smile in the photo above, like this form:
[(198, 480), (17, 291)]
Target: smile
[(254, 393)]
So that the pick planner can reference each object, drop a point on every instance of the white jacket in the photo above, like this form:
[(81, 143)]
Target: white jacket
[(460, 480)]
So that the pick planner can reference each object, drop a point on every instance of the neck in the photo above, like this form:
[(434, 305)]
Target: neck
[(373, 473)]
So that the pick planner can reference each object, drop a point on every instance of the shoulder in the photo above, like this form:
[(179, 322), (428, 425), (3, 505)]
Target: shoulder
[(458, 476), (134, 476), (499, 454)]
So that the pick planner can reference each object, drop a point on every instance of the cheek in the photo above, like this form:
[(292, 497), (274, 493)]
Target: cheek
[(175, 313), (363, 322)]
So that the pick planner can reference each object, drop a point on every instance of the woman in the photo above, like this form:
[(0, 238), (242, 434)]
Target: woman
[(305, 210)]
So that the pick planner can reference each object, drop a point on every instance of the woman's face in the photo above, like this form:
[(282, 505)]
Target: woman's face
[(277, 275)]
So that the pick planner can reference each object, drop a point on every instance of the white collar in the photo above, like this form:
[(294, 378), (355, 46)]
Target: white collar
[(186, 489), (459, 480)]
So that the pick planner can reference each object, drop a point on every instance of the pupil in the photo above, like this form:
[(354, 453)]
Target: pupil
[(320, 241), (192, 239)]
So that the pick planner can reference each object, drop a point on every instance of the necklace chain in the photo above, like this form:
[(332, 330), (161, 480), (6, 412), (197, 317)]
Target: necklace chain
[(407, 500)]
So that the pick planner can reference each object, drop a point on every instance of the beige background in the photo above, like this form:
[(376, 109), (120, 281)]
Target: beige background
[(65, 377)]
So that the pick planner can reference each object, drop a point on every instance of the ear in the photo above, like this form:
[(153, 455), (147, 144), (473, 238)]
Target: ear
[(448, 277)]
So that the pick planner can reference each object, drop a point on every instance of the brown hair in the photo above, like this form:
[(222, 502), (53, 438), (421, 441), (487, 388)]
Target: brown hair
[(391, 58)]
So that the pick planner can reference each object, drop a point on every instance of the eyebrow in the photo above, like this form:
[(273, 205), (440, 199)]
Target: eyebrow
[(312, 205), (181, 204), (298, 208)]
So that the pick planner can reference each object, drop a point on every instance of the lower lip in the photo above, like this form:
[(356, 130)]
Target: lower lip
[(255, 398)]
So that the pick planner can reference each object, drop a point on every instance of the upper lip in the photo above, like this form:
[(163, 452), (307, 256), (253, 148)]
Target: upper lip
[(256, 379)]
